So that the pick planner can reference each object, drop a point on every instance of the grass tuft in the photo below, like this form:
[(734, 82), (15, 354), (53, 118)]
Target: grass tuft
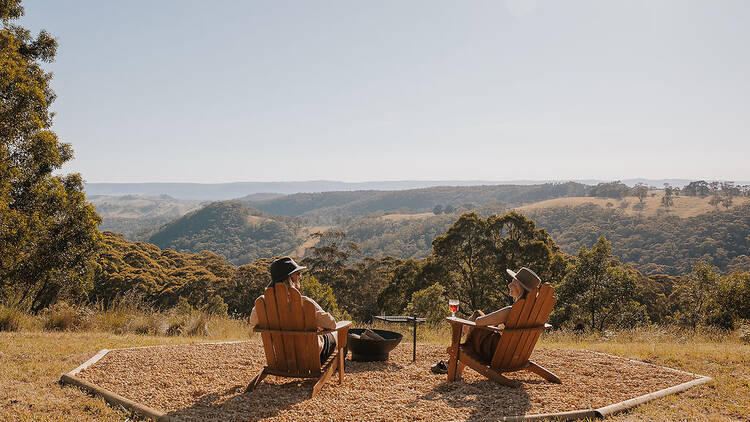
[(11, 319), (64, 317)]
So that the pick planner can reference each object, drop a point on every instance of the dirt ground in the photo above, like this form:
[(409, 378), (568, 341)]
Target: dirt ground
[(207, 382)]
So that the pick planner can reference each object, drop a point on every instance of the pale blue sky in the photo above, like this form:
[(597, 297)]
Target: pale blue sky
[(219, 91)]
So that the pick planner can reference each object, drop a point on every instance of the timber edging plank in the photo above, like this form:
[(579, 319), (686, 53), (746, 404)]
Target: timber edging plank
[(110, 397)]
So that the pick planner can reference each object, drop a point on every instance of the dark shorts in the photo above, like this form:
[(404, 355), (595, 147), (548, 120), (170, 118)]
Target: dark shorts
[(329, 345), (484, 342)]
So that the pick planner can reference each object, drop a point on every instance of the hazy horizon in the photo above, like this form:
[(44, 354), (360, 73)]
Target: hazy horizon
[(197, 92)]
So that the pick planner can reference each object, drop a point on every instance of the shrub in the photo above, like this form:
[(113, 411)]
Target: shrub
[(215, 306), (429, 303), (11, 319), (197, 325), (61, 316), (745, 333)]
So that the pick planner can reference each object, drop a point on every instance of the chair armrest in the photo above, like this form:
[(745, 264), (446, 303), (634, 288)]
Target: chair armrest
[(342, 329), (457, 320), (461, 321), (342, 324)]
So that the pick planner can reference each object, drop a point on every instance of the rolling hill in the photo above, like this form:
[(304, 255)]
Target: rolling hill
[(135, 216), (330, 207), (402, 224), (238, 233)]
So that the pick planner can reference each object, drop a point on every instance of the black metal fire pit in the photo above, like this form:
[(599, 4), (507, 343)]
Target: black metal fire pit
[(366, 350)]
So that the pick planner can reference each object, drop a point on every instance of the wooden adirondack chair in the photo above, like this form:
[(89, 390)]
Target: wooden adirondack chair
[(525, 323), (290, 338)]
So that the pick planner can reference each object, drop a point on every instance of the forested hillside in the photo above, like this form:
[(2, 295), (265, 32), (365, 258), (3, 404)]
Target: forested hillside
[(662, 244), (137, 216), (659, 244), (238, 233), (404, 238), (468, 260), (656, 243), (404, 235), (331, 207), (161, 276)]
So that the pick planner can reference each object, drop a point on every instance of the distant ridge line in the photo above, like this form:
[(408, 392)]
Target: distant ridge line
[(231, 190)]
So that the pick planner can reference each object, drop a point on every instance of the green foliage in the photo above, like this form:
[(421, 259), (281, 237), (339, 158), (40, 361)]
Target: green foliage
[(476, 252), (215, 306), (657, 245), (244, 286), (697, 188), (328, 260), (331, 252), (335, 207), (609, 190), (600, 291), (667, 201), (464, 251), (406, 277), (164, 278), (429, 303), (48, 232), (372, 278), (694, 297), (232, 230), (408, 238), (734, 295), (640, 191), (323, 296), (706, 297)]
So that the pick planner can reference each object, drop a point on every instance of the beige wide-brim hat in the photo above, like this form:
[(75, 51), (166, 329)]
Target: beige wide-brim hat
[(527, 278)]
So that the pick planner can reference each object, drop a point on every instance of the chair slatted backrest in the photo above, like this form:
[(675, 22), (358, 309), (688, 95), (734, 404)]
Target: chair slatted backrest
[(282, 308), (516, 344)]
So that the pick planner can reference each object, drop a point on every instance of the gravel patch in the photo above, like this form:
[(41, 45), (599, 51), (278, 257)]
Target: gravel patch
[(207, 382)]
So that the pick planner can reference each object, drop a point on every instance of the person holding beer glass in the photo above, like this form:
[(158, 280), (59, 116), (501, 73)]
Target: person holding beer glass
[(484, 342)]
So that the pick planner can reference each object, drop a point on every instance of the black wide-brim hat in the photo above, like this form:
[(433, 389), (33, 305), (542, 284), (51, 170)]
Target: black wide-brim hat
[(527, 278), (282, 268)]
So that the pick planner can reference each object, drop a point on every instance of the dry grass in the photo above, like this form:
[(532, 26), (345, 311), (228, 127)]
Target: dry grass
[(399, 217), (125, 318), (31, 364), (311, 241), (254, 220), (684, 206)]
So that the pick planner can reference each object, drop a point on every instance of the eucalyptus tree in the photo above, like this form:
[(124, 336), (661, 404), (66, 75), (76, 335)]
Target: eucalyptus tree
[(599, 290), (48, 231), (475, 253)]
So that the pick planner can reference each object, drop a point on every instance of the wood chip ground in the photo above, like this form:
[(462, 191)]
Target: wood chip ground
[(207, 382)]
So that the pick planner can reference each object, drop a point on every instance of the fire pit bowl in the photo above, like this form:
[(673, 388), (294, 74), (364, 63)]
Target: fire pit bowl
[(366, 350)]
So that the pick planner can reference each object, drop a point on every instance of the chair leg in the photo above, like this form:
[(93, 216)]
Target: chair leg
[(543, 372), (256, 381), (341, 367), (453, 362), (325, 376), (485, 370), (461, 365)]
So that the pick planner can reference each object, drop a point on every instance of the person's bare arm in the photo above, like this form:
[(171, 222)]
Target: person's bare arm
[(253, 317), (494, 318)]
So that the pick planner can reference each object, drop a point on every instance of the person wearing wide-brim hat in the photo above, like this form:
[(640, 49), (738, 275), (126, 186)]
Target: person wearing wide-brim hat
[(484, 342), (285, 270)]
